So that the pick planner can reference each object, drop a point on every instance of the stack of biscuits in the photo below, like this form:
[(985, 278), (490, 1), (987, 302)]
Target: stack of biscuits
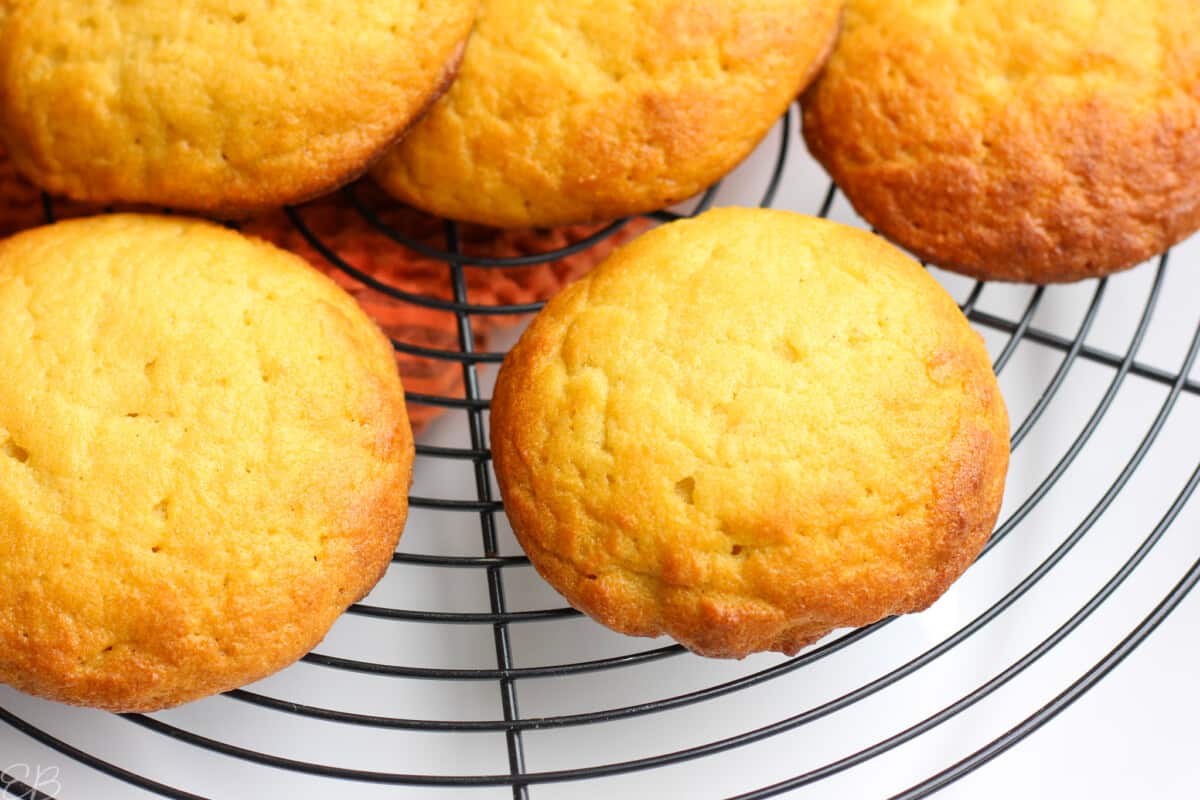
[(743, 430)]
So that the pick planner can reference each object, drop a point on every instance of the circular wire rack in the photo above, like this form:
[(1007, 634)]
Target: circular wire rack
[(652, 668)]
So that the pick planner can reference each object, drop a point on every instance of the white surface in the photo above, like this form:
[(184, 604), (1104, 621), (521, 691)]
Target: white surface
[(1133, 736)]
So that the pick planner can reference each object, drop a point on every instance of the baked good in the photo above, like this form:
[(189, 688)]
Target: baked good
[(204, 459), (342, 229), (748, 429), (212, 106), (1016, 139), (569, 112)]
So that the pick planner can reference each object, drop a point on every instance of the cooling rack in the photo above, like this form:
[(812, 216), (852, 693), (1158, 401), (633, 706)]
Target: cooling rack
[(462, 675)]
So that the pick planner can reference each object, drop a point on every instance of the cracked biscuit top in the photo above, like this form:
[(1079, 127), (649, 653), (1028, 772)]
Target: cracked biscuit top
[(222, 106), (569, 112), (204, 459), (1017, 139), (748, 429)]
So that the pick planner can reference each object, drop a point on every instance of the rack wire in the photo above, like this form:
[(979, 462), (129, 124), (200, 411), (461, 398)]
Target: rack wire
[(495, 568)]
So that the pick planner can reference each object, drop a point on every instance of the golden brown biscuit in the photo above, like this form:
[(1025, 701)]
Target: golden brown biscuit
[(1017, 139), (215, 105), (572, 112), (204, 459), (747, 430)]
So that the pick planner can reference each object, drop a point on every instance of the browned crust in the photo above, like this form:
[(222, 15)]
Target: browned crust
[(1039, 225), (167, 661), (968, 493), (1047, 190), (305, 180), (968, 490), (248, 207), (824, 54), (940, 540), (180, 667), (662, 136)]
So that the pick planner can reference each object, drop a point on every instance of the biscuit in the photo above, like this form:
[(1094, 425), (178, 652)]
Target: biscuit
[(749, 429), (213, 105), (1016, 139), (568, 112), (204, 459)]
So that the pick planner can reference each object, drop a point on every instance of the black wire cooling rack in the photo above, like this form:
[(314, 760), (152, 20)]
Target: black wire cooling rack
[(221, 743)]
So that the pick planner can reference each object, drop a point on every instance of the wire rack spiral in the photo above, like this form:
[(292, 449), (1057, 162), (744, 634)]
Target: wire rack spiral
[(246, 731)]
